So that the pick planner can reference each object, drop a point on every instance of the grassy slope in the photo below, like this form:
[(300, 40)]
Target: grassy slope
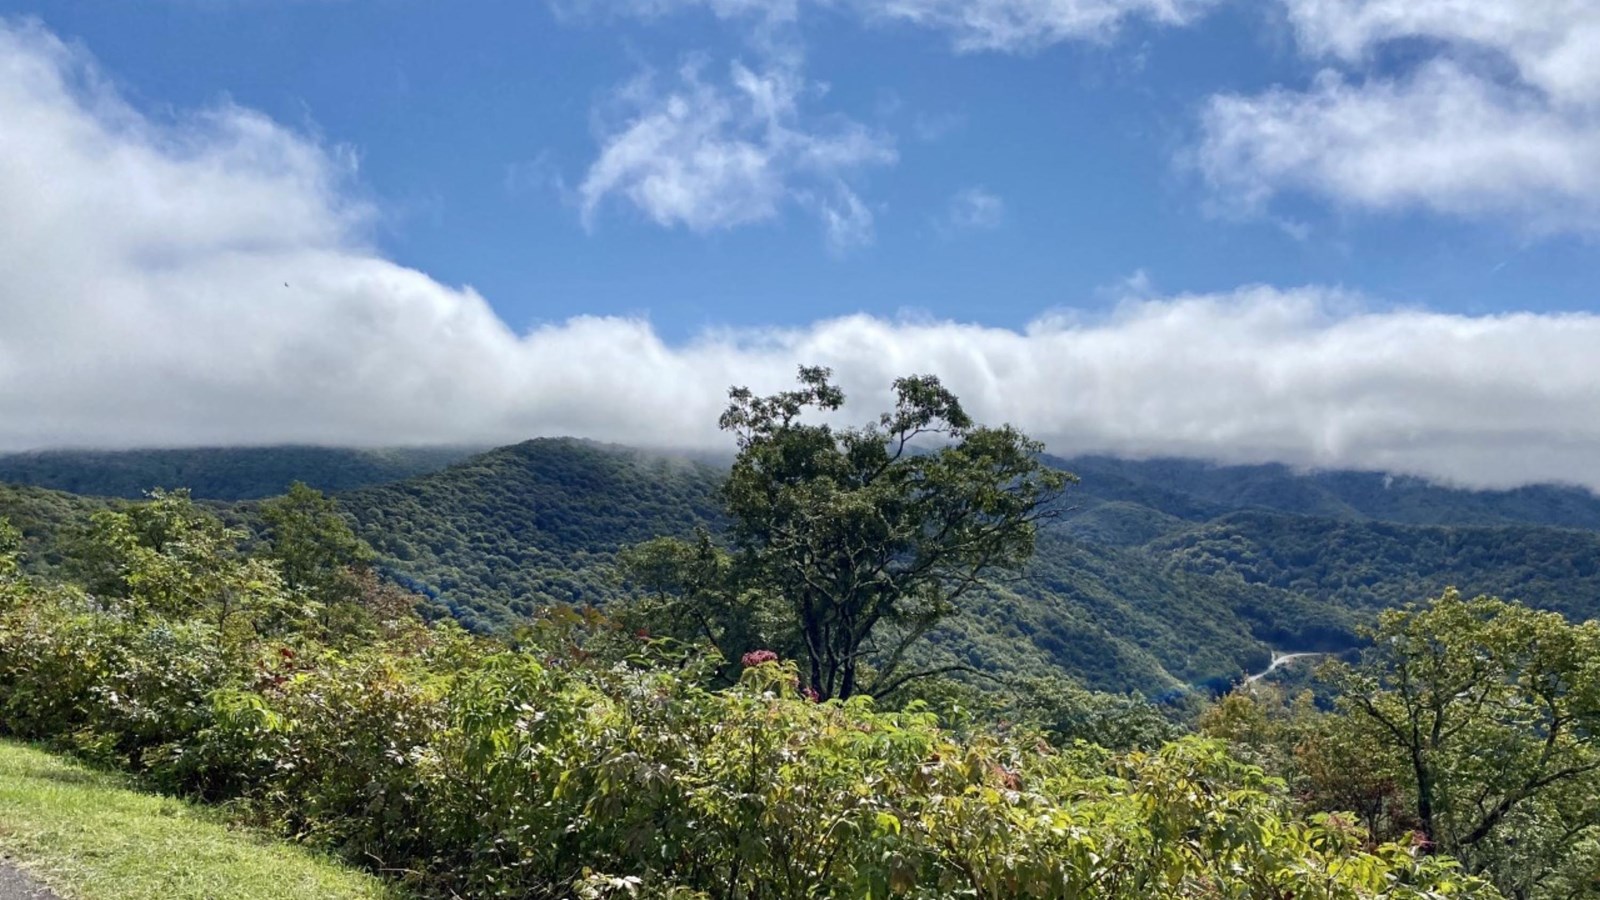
[(88, 836)]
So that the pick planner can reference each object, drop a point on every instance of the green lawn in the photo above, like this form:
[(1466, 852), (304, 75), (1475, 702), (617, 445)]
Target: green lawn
[(89, 837)]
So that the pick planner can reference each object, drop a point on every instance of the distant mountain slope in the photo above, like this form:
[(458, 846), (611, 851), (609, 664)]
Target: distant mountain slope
[(493, 538), (221, 473), (1363, 566), (496, 536), (1159, 574), (1195, 490), (44, 517)]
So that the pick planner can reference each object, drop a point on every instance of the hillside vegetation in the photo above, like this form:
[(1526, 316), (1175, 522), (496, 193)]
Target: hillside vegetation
[(493, 539), (1158, 575), (1191, 592), (592, 761), (843, 668)]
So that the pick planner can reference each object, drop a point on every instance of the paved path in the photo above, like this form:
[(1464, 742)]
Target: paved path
[(1278, 659), (14, 885)]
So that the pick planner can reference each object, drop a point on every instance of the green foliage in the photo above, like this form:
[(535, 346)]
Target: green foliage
[(10, 549), (868, 542), (1161, 576), (1191, 594), (1492, 710), (590, 762), (312, 543), (320, 558), (1196, 491), (120, 689), (1470, 723), (169, 558), (691, 592), (492, 540), (1367, 566), (46, 521)]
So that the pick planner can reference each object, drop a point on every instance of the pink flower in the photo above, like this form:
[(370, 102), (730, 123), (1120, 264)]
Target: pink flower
[(757, 658)]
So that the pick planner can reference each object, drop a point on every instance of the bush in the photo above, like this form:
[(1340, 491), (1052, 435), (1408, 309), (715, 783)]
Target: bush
[(586, 762)]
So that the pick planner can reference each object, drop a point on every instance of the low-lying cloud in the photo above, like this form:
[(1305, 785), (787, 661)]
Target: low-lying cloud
[(207, 282)]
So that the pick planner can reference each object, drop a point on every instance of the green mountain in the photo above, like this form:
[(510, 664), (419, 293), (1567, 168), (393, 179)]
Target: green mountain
[(1195, 490), (46, 519), (221, 473), (1141, 585), (1158, 574), (491, 539)]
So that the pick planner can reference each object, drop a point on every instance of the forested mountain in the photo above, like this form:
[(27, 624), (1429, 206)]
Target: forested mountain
[(493, 538), (46, 520), (1158, 574), (1190, 489), (221, 473)]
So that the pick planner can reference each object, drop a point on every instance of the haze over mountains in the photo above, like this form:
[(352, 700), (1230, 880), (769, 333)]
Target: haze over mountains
[(1158, 573)]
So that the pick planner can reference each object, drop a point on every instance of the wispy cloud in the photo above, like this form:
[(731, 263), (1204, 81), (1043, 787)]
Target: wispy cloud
[(1014, 26), (1027, 25), (210, 282), (974, 209), (709, 156)]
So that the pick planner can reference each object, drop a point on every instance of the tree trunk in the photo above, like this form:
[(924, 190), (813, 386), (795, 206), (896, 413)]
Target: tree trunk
[(1425, 811)]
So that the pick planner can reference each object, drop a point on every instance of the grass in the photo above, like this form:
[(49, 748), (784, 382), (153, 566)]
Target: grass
[(88, 836)]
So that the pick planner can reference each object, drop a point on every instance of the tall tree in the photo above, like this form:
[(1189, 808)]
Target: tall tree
[(314, 545), (10, 548), (869, 536), (167, 557), (1492, 711), (10, 562)]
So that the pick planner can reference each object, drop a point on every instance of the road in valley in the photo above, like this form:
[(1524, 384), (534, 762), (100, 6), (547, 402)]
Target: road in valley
[(1278, 659)]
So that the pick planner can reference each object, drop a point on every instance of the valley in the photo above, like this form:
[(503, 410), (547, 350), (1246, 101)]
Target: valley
[(1155, 577)]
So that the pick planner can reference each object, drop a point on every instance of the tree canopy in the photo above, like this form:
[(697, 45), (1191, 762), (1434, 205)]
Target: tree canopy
[(1493, 710), (1467, 725), (868, 536)]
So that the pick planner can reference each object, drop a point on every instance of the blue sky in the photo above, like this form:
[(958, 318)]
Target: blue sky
[(1322, 232), (474, 122)]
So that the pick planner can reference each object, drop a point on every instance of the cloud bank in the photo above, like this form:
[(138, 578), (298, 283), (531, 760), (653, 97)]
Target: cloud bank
[(206, 281)]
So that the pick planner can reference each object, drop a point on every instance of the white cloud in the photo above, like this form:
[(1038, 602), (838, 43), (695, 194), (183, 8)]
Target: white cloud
[(1014, 26), (707, 156), (1500, 119), (769, 10), (1550, 43), (847, 222), (1440, 139), (710, 156), (207, 282), (1025, 25), (975, 209)]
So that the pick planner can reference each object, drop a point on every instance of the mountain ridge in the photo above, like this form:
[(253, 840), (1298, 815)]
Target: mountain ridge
[(1158, 574)]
